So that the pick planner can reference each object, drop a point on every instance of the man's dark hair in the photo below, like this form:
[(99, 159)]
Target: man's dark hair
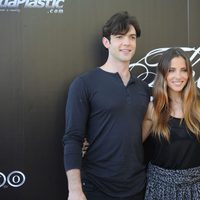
[(120, 23)]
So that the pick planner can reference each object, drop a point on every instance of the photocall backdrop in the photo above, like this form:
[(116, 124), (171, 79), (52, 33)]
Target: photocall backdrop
[(44, 45)]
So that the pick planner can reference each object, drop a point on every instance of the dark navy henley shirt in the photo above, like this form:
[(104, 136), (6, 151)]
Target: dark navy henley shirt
[(109, 114)]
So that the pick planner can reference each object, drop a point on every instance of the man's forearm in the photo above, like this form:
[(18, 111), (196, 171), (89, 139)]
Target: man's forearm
[(75, 185), (74, 179)]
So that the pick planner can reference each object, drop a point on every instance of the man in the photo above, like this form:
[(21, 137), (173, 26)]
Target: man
[(107, 106)]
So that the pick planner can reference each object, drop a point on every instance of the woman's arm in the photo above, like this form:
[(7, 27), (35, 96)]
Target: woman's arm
[(147, 122)]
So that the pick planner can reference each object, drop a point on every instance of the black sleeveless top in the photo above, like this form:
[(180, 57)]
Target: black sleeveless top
[(181, 152)]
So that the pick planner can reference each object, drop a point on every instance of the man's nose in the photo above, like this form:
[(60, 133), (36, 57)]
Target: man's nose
[(126, 41)]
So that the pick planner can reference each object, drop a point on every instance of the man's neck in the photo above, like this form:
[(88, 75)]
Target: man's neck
[(121, 68), (116, 67)]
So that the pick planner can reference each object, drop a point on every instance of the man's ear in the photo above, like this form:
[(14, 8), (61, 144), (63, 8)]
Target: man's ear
[(106, 42)]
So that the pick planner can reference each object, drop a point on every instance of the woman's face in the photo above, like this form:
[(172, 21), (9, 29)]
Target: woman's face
[(177, 75)]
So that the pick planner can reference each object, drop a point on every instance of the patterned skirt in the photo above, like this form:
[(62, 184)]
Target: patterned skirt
[(166, 184)]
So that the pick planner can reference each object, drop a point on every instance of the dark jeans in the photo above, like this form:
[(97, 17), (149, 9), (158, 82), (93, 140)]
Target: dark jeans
[(93, 193)]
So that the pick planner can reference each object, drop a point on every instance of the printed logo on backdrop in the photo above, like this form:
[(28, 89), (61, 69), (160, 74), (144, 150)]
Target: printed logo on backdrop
[(13, 179), (145, 68), (51, 6)]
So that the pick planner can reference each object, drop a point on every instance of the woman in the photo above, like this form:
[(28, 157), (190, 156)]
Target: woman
[(173, 119)]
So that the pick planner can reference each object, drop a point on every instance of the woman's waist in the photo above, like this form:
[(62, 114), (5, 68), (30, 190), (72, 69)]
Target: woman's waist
[(176, 176)]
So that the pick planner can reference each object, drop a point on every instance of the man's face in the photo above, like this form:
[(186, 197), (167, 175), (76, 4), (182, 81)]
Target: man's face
[(122, 47)]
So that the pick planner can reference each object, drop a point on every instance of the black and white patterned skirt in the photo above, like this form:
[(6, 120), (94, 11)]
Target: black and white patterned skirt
[(166, 184)]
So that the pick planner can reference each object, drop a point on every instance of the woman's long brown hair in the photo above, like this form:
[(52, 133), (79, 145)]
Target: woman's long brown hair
[(161, 100)]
